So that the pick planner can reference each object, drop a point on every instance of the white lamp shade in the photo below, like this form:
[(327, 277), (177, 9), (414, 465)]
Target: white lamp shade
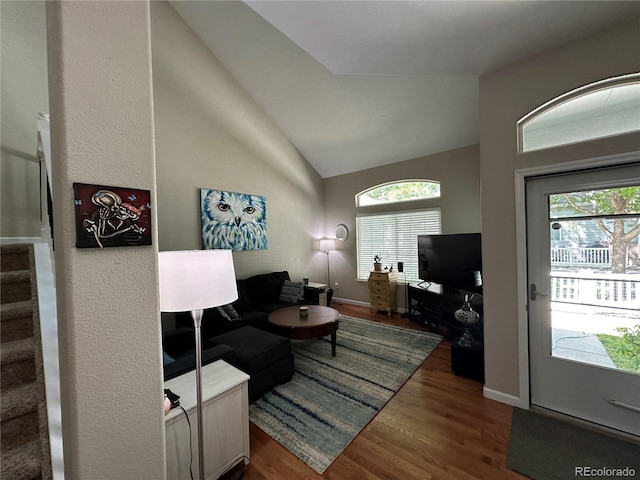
[(196, 279), (327, 244)]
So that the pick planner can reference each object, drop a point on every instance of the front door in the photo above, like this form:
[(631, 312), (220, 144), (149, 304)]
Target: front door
[(584, 295)]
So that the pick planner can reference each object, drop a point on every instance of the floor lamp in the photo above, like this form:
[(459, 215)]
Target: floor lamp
[(193, 280), (326, 245)]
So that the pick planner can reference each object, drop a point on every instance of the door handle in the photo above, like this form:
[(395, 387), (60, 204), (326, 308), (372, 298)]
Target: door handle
[(533, 293)]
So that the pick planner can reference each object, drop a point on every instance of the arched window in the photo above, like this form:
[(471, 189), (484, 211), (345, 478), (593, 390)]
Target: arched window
[(602, 109), (403, 191), (392, 233)]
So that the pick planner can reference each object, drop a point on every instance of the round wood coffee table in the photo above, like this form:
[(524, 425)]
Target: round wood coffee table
[(322, 321)]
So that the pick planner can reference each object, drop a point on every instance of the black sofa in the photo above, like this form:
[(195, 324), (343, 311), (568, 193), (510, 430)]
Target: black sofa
[(258, 296), (239, 335), (264, 356), (179, 351)]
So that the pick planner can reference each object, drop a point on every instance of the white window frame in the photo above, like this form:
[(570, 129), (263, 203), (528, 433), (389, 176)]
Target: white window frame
[(566, 126)]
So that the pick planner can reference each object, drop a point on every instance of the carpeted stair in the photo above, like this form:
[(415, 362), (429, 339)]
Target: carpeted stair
[(23, 411)]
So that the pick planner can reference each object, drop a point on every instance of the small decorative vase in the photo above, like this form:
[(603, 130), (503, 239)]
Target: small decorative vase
[(377, 267), (468, 317)]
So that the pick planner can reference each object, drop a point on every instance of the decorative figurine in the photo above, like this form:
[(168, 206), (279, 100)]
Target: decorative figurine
[(468, 317)]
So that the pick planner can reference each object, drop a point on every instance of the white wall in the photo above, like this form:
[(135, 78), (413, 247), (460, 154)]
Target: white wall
[(506, 96), (23, 94), (211, 134), (109, 324)]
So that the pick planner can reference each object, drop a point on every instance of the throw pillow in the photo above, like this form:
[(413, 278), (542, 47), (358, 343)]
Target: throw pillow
[(166, 359), (291, 291), (229, 313)]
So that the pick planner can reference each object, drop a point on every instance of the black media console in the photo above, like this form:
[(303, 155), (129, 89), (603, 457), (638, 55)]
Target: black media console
[(434, 306)]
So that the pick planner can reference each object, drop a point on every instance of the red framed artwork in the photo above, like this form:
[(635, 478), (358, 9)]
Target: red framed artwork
[(111, 216)]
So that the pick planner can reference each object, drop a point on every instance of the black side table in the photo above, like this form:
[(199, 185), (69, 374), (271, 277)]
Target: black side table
[(467, 361)]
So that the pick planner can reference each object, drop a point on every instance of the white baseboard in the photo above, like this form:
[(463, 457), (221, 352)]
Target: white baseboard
[(505, 398), (350, 302), (360, 304)]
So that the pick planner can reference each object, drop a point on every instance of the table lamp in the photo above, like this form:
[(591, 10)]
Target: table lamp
[(192, 280)]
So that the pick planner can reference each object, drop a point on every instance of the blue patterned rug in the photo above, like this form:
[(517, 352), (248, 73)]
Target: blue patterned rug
[(331, 399)]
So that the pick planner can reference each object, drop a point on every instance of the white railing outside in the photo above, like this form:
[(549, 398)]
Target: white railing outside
[(585, 257), (600, 289)]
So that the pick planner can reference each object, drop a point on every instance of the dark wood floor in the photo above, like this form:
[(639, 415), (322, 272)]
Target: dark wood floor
[(437, 426)]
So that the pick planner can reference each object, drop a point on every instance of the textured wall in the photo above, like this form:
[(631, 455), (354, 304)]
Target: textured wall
[(211, 134), (102, 132), (505, 97), (24, 94), (458, 172)]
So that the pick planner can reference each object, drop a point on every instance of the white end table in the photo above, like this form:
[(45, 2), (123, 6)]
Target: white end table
[(320, 289), (225, 414)]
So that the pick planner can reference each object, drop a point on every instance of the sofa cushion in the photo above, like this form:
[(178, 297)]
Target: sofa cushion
[(254, 348), (229, 313), (166, 358), (272, 307), (270, 376), (291, 292), (213, 323), (243, 303), (187, 361), (265, 288), (252, 317), (176, 342)]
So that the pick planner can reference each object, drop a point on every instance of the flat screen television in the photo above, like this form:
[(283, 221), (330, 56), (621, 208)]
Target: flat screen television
[(451, 260)]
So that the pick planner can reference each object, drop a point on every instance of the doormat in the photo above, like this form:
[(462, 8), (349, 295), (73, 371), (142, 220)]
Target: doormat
[(546, 448)]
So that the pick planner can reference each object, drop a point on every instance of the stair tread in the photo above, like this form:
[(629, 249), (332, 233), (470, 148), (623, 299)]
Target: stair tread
[(23, 456), (17, 350), (12, 276), (15, 248), (23, 461), (19, 400), (9, 311), (15, 257)]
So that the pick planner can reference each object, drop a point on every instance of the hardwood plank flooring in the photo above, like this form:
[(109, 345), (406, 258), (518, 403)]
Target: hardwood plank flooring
[(437, 426)]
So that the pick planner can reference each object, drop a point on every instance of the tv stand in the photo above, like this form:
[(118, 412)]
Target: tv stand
[(434, 306)]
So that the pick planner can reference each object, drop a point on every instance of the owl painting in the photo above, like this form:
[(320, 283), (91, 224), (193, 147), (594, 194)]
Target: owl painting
[(235, 221)]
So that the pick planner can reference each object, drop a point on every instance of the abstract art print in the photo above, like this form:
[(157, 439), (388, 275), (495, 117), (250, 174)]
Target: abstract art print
[(233, 221), (111, 216)]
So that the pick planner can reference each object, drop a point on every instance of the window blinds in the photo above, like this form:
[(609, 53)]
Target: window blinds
[(394, 237)]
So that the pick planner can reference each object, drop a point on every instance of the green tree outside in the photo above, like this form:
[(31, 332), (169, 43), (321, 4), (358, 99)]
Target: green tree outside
[(403, 191), (616, 212)]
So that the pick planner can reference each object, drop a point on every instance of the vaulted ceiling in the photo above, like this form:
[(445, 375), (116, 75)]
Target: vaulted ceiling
[(358, 84)]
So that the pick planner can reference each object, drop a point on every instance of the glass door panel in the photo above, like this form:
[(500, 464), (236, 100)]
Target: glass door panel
[(583, 234)]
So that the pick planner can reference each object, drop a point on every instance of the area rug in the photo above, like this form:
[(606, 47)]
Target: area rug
[(546, 448), (331, 399)]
